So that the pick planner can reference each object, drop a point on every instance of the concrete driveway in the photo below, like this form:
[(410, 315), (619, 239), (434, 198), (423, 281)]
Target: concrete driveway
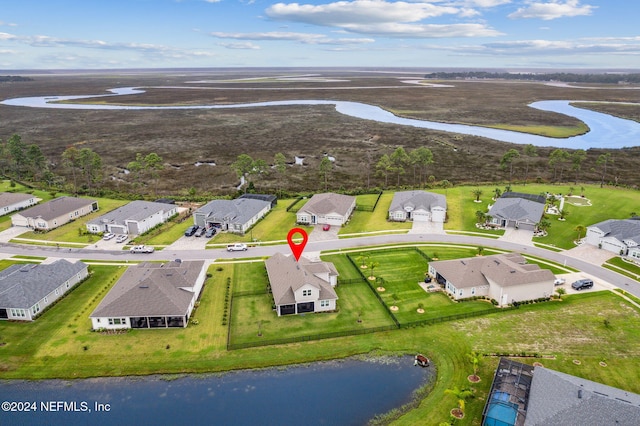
[(317, 234), (427, 228), (589, 253), (518, 236)]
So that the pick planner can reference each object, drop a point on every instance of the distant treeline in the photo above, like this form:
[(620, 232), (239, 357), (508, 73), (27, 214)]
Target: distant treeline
[(5, 78), (565, 77)]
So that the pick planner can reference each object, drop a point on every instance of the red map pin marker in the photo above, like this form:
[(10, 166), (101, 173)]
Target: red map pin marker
[(297, 248)]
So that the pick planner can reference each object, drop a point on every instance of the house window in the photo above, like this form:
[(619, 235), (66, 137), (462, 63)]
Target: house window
[(473, 291), (306, 292), (36, 308), (67, 284), (57, 292), (324, 303), (46, 299), (116, 321)]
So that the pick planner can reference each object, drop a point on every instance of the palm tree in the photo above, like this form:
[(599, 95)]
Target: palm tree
[(580, 230), (563, 214), (475, 359), (461, 395), (477, 193), (481, 216), (497, 193), (362, 259), (372, 266), (543, 225)]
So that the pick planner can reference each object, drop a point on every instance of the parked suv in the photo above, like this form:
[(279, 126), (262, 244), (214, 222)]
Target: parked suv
[(191, 230), (582, 284), (210, 232), (200, 232)]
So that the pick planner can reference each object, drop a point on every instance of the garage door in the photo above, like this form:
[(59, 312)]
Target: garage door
[(421, 216)]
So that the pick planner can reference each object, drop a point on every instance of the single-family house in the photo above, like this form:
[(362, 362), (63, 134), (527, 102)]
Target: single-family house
[(328, 208), (26, 289), (13, 201), (617, 236), (418, 206), (517, 210), (235, 216), (301, 286), (506, 278), (152, 295), (134, 218), (54, 213), (528, 395)]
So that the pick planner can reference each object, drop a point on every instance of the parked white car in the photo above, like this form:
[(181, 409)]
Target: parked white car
[(237, 247), (121, 238), (141, 249), (559, 281), (108, 236)]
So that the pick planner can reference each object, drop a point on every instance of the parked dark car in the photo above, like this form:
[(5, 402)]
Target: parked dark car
[(200, 232), (582, 284), (191, 230), (210, 232)]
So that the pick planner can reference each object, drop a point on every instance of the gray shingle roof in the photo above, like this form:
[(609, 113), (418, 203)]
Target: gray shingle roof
[(417, 200), (56, 208), (516, 208), (286, 276), (623, 230), (240, 210), (22, 286), (329, 202), (504, 269), (135, 210), (151, 289), (561, 399), (10, 198)]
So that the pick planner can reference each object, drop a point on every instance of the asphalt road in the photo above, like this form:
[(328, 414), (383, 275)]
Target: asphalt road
[(596, 271)]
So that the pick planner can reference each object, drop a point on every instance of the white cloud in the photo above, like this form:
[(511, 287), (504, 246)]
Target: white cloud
[(383, 18), (241, 46), (553, 10), (292, 36), (357, 12)]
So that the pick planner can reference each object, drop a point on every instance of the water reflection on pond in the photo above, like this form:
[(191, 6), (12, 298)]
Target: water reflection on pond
[(347, 392)]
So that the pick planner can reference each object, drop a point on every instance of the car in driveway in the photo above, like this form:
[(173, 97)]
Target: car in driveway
[(559, 281), (326, 227), (108, 236), (199, 232), (582, 284), (210, 232), (121, 238), (141, 249), (191, 230)]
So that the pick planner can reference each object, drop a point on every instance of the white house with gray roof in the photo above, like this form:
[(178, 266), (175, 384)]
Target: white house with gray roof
[(54, 213), (617, 236), (134, 218), (502, 277), (418, 206), (26, 289), (152, 295), (517, 210), (235, 216), (13, 201), (301, 286), (328, 208), (524, 395)]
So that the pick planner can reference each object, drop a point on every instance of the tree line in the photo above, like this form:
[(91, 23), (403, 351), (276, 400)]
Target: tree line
[(564, 77)]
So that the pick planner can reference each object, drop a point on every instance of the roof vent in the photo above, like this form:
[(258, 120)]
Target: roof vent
[(512, 271), (462, 261), (496, 261), (144, 286)]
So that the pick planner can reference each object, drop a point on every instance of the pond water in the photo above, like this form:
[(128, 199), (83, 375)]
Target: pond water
[(606, 131), (347, 392)]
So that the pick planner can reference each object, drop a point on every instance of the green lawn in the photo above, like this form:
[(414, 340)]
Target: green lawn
[(631, 270), (374, 221)]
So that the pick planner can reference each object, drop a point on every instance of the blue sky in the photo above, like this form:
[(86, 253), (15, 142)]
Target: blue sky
[(78, 34)]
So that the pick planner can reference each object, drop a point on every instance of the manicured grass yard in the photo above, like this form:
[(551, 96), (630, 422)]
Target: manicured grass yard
[(354, 301), (374, 221)]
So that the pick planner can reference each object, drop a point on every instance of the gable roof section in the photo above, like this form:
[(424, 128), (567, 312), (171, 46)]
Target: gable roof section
[(561, 399), (240, 210), (286, 276), (512, 207), (10, 198), (152, 289), (417, 200), (507, 269), (329, 202), (623, 230), (22, 286), (56, 207), (135, 210)]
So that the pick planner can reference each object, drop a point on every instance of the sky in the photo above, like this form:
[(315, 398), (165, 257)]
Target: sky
[(107, 34)]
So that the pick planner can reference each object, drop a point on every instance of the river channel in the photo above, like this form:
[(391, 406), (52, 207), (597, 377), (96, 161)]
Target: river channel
[(345, 392), (605, 131)]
